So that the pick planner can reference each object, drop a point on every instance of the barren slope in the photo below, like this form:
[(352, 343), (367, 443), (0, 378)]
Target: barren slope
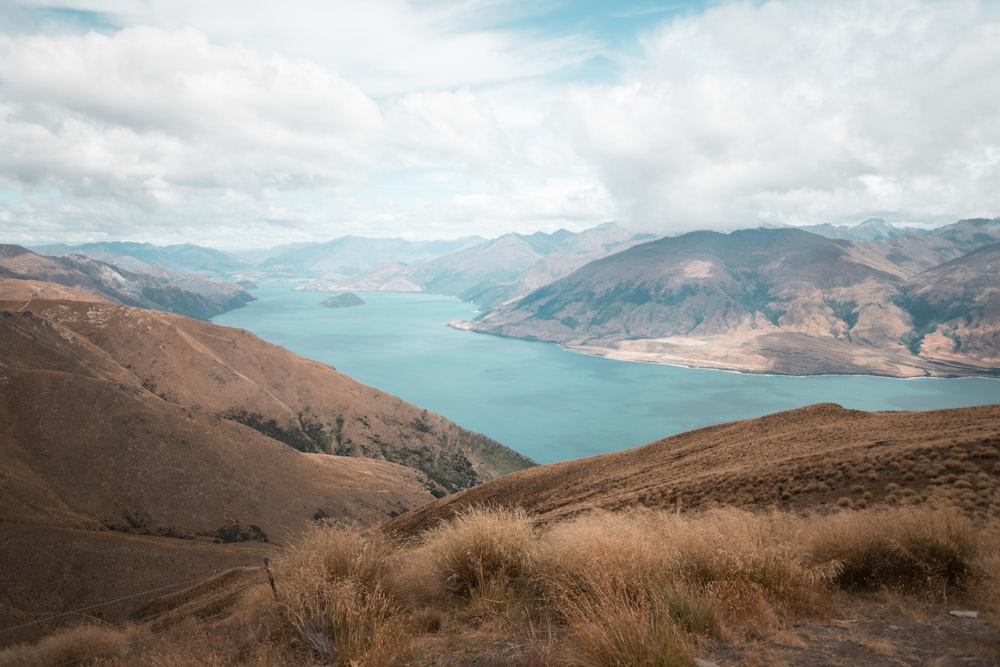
[(93, 467)]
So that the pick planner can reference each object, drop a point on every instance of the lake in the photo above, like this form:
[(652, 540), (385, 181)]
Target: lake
[(546, 402)]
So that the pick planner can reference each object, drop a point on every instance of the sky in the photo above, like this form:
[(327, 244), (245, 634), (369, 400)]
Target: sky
[(256, 123)]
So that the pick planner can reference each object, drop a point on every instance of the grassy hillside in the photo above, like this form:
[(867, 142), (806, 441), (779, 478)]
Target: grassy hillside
[(567, 565), (821, 456), (232, 374), (141, 449)]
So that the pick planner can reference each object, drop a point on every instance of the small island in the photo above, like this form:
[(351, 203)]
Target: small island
[(344, 300)]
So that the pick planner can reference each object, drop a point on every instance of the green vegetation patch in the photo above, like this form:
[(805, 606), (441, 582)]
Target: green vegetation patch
[(305, 435)]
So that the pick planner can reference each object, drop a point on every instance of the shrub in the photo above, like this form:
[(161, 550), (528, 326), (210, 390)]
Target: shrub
[(760, 554), (609, 628), (915, 550), (481, 550)]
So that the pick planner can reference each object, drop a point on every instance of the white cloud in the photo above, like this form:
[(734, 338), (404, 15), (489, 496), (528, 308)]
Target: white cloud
[(163, 118), (188, 120), (803, 112), (451, 128)]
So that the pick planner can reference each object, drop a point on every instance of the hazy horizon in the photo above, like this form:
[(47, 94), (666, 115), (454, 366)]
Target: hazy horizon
[(181, 122)]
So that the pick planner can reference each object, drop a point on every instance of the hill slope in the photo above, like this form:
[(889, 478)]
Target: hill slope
[(230, 373), (141, 449), (181, 259), (809, 458)]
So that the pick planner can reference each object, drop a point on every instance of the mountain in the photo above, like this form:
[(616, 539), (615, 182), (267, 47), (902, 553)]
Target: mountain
[(764, 300), (470, 271), (955, 308), (140, 449), (968, 235), (348, 255), (570, 253), (148, 258), (911, 253), (190, 295), (814, 458), (873, 229), (493, 271), (387, 277)]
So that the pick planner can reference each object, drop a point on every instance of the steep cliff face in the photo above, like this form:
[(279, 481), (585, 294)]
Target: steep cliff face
[(763, 300)]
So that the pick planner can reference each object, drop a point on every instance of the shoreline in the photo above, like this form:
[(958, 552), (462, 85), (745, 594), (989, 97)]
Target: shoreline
[(929, 370)]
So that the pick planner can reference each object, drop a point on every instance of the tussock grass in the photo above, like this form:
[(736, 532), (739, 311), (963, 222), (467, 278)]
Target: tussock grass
[(81, 644), (482, 551), (923, 551), (334, 599), (640, 587)]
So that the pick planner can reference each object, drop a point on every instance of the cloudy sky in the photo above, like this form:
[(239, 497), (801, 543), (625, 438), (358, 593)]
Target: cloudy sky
[(253, 123)]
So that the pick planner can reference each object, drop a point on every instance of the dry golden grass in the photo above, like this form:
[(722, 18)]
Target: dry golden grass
[(333, 600), (640, 587), (481, 551), (76, 645), (926, 550)]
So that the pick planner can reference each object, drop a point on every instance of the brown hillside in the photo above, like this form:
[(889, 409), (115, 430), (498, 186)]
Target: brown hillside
[(233, 374), (822, 456), (957, 307), (96, 473), (123, 457)]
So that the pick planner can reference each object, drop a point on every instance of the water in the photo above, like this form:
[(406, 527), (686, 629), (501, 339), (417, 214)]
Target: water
[(548, 403)]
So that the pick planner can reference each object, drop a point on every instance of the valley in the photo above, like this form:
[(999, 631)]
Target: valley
[(155, 465)]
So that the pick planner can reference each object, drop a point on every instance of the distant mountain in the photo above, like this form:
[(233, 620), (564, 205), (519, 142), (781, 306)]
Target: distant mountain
[(766, 300), (493, 271), (346, 256), (955, 308), (145, 257), (189, 295), (911, 253), (968, 235), (471, 271), (873, 229), (387, 277), (512, 265)]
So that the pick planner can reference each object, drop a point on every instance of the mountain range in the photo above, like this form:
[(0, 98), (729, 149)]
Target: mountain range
[(872, 298), (780, 301), (486, 271)]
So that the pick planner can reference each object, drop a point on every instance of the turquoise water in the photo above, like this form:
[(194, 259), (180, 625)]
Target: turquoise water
[(543, 401)]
